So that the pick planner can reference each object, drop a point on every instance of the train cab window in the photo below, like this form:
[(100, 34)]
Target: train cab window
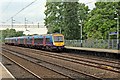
[(58, 38)]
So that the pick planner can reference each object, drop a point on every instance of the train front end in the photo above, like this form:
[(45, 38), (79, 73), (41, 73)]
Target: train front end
[(58, 41)]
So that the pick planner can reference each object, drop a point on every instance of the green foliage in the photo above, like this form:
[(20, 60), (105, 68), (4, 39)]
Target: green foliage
[(71, 21), (82, 16), (70, 16), (65, 16), (51, 20), (10, 33), (101, 20)]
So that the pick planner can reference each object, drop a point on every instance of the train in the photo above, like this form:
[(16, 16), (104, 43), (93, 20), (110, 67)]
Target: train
[(47, 41)]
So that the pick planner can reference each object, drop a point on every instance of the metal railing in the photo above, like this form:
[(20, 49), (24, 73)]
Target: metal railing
[(93, 43)]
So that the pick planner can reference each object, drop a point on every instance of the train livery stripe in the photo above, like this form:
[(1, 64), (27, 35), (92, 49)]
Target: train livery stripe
[(44, 40), (32, 40)]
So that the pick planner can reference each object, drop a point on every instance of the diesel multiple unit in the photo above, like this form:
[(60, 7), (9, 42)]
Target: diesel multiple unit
[(48, 41)]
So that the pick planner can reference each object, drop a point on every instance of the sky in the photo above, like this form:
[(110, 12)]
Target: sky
[(34, 13)]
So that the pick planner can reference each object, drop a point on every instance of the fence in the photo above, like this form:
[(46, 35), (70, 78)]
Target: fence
[(105, 44)]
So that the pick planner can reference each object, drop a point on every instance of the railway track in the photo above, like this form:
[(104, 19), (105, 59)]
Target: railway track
[(107, 65), (74, 73), (76, 56), (15, 58), (21, 66), (101, 59), (14, 68), (75, 60)]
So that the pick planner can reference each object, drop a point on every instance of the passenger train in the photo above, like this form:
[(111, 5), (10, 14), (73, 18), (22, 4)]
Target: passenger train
[(48, 41)]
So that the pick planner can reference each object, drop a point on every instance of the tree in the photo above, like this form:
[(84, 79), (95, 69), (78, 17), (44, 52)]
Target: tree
[(10, 33), (19, 33), (52, 16), (71, 21), (82, 15), (65, 16), (100, 20)]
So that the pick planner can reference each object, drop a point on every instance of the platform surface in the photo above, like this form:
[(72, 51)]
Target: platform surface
[(4, 73), (94, 49)]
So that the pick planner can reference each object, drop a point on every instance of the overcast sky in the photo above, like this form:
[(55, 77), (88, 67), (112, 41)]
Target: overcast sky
[(34, 13)]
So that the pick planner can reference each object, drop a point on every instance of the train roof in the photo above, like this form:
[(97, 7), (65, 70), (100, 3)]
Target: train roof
[(52, 34), (35, 36), (11, 38)]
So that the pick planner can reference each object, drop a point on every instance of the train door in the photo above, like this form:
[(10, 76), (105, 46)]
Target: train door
[(44, 41), (24, 41), (18, 41), (33, 40)]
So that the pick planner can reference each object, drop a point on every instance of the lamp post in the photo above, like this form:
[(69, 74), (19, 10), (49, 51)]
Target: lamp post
[(12, 22), (26, 23), (117, 30), (80, 33), (38, 25)]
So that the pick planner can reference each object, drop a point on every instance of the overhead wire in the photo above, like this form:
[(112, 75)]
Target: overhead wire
[(3, 10), (89, 2), (21, 10), (28, 6), (6, 6), (34, 7)]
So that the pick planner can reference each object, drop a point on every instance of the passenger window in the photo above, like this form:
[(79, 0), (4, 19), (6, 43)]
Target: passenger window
[(38, 40), (47, 40)]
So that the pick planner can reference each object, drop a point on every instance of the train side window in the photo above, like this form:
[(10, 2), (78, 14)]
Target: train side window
[(15, 40), (29, 40), (47, 40), (21, 41), (41, 40), (38, 40)]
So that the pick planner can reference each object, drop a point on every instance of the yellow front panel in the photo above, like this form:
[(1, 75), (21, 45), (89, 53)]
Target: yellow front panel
[(59, 43), (57, 35)]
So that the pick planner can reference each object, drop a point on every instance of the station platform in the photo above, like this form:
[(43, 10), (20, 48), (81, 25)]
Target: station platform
[(94, 49), (5, 74)]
